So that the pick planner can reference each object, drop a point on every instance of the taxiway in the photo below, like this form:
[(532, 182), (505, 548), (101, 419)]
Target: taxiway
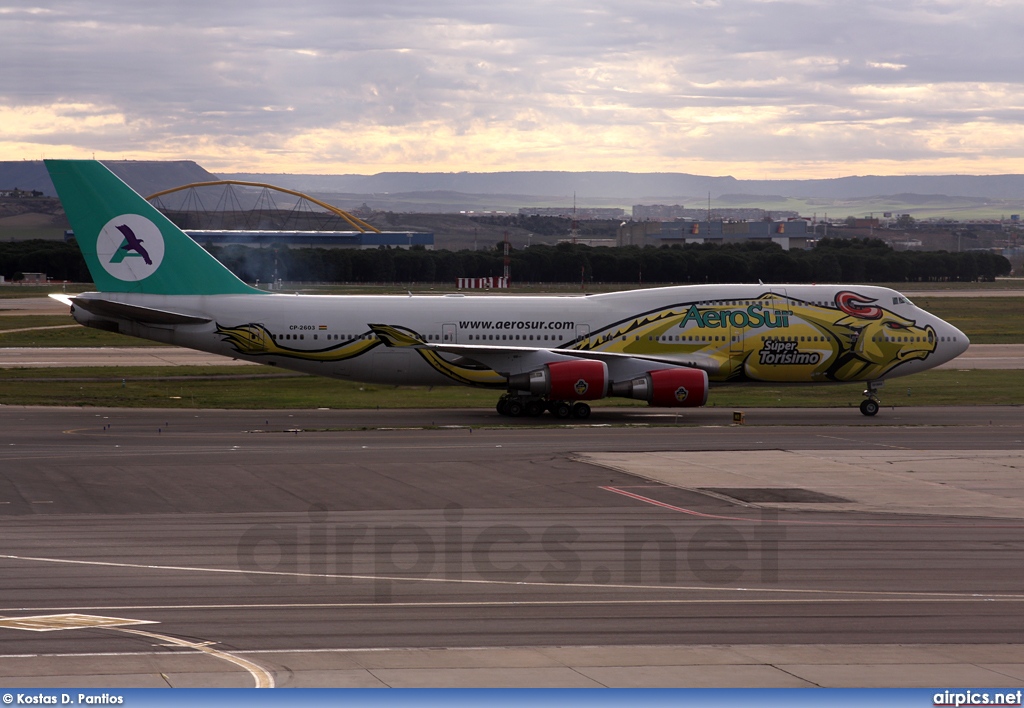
[(404, 548)]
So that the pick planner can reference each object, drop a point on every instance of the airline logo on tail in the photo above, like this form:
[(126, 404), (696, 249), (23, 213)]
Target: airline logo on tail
[(130, 247)]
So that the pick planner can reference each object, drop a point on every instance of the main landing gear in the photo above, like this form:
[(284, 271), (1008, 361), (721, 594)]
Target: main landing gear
[(869, 406), (514, 405)]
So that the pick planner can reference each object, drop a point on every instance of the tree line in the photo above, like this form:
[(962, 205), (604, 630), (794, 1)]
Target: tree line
[(60, 260), (832, 260)]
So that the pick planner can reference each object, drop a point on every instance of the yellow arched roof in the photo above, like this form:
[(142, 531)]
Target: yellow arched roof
[(355, 221)]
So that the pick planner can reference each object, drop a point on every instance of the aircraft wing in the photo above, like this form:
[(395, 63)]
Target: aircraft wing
[(513, 360), (138, 313), (516, 360)]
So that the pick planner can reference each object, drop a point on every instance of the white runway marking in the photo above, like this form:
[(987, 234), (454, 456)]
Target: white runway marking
[(898, 597), (69, 621), (262, 677), (895, 594), (869, 442)]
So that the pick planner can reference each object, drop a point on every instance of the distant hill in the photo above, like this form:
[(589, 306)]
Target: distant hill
[(535, 188), (667, 186), (144, 176), (27, 175), (528, 185)]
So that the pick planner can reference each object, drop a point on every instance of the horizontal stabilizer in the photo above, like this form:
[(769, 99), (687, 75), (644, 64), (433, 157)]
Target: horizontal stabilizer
[(61, 297), (138, 313)]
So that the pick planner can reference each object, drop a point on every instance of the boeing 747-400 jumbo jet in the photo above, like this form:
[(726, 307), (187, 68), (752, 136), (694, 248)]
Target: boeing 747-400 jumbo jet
[(662, 345)]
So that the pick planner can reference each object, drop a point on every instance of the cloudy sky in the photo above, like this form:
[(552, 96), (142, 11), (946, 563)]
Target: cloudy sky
[(749, 88)]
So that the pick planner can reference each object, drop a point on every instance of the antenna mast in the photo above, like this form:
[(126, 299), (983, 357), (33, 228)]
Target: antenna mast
[(507, 272), (574, 229)]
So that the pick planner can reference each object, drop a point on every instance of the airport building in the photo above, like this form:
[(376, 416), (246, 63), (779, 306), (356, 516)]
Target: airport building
[(307, 239), (788, 234), (664, 212), (314, 239), (571, 212), (660, 212)]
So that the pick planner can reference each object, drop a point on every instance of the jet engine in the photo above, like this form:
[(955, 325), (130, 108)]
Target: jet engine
[(581, 380), (670, 388)]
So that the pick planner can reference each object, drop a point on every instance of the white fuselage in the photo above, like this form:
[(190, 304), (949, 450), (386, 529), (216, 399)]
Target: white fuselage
[(790, 333)]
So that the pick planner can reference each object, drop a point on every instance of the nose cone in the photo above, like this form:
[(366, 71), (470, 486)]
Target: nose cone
[(960, 341), (956, 342)]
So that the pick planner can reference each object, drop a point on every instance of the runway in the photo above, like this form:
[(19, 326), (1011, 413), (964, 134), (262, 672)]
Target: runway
[(416, 548)]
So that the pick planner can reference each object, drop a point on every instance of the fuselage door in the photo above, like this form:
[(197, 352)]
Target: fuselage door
[(736, 335), (582, 333), (257, 336), (780, 303), (449, 333)]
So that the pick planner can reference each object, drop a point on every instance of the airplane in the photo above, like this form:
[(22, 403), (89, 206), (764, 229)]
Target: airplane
[(546, 353)]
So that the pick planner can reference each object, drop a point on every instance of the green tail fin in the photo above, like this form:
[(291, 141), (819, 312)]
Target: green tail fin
[(128, 245)]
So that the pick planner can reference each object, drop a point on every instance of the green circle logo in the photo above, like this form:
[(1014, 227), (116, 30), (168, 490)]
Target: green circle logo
[(130, 247)]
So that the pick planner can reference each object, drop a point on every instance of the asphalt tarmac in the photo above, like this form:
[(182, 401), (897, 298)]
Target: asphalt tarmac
[(420, 548), (458, 548)]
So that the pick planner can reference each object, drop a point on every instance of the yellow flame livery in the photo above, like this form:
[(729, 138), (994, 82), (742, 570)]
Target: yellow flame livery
[(774, 338), (254, 339), (467, 373), (771, 338)]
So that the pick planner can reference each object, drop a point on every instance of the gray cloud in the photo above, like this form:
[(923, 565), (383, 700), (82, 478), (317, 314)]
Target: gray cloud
[(734, 82)]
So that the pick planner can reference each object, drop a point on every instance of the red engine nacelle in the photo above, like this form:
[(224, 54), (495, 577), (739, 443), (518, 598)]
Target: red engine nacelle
[(582, 380), (669, 388)]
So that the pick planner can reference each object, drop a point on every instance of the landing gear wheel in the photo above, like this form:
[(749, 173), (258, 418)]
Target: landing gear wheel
[(869, 406), (581, 411), (534, 408), (514, 407), (502, 406), (561, 409)]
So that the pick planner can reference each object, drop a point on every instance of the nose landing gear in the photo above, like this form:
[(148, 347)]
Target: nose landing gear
[(869, 406)]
